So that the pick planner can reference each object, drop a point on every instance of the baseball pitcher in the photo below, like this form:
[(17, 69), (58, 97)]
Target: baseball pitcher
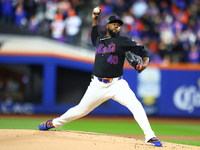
[(107, 79)]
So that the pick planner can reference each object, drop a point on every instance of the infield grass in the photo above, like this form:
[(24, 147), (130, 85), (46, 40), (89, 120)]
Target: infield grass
[(110, 127)]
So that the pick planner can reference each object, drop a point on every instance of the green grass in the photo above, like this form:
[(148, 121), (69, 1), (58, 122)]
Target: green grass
[(104, 127), (176, 129), (110, 127), (194, 143), (133, 128)]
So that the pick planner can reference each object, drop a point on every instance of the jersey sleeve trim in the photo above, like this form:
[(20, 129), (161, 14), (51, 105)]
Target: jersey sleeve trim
[(139, 49)]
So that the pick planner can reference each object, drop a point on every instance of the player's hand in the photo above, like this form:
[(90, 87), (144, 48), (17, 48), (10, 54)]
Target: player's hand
[(144, 62), (96, 15), (139, 67)]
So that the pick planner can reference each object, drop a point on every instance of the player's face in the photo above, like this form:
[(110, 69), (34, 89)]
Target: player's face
[(114, 29)]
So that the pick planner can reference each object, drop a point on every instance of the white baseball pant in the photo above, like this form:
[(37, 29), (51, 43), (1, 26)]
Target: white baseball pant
[(97, 93)]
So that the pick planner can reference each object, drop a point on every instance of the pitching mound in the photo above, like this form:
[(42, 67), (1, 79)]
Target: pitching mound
[(73, 140)]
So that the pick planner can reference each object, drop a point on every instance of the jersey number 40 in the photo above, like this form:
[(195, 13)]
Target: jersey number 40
[(113, 59)]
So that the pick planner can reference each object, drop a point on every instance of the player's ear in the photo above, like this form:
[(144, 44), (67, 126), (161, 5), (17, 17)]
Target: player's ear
[(106, 26)]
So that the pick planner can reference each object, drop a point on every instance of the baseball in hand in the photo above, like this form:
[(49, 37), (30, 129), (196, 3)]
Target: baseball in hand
[(96, 10)]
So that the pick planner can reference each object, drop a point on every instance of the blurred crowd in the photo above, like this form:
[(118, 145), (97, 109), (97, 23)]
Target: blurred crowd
[(169, 29), (57, 18)]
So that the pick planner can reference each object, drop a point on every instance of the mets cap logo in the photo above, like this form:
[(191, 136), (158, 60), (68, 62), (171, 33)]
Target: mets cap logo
[(117, 17)]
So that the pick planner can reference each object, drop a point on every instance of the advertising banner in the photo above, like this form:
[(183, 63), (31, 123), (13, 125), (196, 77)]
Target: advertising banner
[(55, 84), (180, 94), (149, 89)]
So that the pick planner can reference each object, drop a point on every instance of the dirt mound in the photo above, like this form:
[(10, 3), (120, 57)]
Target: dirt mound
[(73, 140)]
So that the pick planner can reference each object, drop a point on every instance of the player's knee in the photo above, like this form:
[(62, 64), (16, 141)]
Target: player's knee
[(134, 104), (81, 110)]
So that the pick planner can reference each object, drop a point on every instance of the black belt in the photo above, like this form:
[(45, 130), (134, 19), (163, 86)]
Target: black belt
[(106, 80)]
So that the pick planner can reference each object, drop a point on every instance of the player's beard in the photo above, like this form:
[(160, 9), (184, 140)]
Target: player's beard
[(113, 34)]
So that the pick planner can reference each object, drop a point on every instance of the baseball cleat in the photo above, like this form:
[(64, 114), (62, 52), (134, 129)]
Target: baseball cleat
[(154, 141), (46, 125)]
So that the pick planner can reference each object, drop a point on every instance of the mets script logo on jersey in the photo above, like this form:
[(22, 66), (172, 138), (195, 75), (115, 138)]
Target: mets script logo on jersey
[(102, 50)]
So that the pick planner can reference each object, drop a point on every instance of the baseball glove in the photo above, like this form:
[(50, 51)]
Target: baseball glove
[(134, 60)]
